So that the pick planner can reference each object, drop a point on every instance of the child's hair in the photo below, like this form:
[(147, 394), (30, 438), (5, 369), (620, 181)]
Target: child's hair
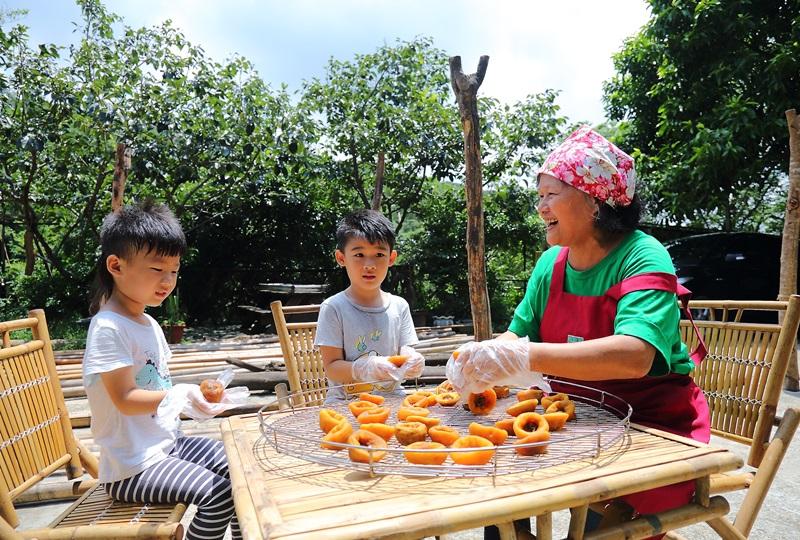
[(365, 224), (144, 226)]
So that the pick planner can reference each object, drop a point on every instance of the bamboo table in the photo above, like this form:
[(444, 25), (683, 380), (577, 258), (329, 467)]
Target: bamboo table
[(283, 497)]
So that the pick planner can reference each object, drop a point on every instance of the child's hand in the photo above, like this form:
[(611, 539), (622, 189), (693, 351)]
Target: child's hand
[(374, 368), (415, 363)]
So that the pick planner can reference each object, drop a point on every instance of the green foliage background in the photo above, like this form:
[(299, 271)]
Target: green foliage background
[(257, 176)]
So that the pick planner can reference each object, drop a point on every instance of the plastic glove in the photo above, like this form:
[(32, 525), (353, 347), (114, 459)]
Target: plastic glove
[(374, 368), (494, 362), (189, 400), (414, 365)]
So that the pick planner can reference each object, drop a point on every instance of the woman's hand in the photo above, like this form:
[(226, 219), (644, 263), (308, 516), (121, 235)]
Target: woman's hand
[(481, 365)]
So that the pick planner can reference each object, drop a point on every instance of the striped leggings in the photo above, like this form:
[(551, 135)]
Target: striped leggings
[(196, 472)]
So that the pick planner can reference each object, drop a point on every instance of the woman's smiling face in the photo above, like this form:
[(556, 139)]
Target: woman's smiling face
[(568, 213)]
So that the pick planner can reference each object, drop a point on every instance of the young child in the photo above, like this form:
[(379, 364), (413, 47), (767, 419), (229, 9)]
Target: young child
[(361, 326), (143, 456)]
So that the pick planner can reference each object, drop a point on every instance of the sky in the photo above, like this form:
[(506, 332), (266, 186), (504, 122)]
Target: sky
[(533, 45)]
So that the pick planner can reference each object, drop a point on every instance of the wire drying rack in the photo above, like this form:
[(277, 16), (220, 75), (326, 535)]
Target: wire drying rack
[(602, 419)]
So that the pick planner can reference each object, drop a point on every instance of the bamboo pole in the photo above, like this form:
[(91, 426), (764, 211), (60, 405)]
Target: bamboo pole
[(465, 88)]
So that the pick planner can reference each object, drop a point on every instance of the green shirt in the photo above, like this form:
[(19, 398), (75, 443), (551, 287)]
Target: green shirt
[(649, 315)]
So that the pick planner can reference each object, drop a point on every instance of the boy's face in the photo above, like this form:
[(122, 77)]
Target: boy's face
[(144, 277), (366, 263)]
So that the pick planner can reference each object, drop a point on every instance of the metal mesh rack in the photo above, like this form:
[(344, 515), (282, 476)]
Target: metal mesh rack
[(602, 420)]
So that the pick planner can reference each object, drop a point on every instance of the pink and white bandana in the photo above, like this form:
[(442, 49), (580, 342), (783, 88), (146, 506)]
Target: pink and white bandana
[(591, 163)]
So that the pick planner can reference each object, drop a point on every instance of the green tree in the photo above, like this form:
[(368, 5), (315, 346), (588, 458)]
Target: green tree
[(700, 92)]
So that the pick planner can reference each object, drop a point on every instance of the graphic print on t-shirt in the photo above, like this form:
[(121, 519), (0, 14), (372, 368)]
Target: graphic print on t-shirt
[(149, 377), (361, 341)]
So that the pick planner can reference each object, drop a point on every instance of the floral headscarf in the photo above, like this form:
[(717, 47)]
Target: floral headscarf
[(591, 163)]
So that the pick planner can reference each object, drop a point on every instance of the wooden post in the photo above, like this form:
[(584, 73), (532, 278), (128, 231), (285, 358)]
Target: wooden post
[(378, 193), (121, 165), (791, 228), (465, 88)]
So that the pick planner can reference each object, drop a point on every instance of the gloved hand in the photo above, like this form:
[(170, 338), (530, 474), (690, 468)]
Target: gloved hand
[(189, 400), (374, 368), (414, 365), (494, 362)]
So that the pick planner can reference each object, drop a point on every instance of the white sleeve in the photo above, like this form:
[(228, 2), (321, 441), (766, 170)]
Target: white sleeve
[(408, 335), (330, 332), (105, 351)]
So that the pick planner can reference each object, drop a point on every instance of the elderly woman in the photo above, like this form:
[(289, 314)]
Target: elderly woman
[(600, 307)]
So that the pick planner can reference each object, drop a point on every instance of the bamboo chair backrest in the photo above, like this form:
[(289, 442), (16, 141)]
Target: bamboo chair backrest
[(742, 376), (304, 367), (35, 432)]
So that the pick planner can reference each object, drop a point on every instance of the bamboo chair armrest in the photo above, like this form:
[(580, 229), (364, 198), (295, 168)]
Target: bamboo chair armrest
[(726, 482), (7, 531), (97, 532)]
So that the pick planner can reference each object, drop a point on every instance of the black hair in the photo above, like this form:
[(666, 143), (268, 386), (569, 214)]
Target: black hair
[(365, 224), (144, 226), (614, 221)]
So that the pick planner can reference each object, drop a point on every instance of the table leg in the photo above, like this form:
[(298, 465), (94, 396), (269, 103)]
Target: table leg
[(507, 530), (544, 526), (577, 522)]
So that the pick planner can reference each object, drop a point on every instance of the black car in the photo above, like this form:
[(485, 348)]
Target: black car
[(728, 266)]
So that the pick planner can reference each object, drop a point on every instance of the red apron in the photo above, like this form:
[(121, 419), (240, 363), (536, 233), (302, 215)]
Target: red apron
[(673, 402)]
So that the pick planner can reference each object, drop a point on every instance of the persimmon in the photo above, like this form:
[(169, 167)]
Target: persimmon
[(212, 390), (447, 399), (443, 434), (482, 403), (506, 424), (375, 415), (533, 438), (529, 423), (398, 360), (496, 435), (501, 391), (474, 457), (565, 405), (410, 432), (556, 420), (405, 412), (383, 431), (429, 421), (372, 398), (425, 458), (548, 400), (445, 387), (530, 393), (339, 434), (529, 405), (328, 418), (367, 439), (358, 407)]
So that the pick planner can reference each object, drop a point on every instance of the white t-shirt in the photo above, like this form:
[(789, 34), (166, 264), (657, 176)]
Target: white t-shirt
[(360, 330), (128, 443)]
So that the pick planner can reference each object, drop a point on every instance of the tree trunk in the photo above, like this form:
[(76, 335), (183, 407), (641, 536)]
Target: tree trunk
[(465, 88), (121, 166), (791, 226), (376, 195)]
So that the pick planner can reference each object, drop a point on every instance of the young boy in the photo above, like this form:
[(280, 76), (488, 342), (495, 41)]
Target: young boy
[(361, 326)]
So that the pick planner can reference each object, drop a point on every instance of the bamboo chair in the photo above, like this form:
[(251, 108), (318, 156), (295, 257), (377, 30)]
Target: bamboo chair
[(742, 378), (304, 369), (36, 439)]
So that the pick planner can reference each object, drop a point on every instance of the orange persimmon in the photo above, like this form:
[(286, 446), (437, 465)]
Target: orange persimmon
[(425, 458), (367, 439), (496, 435), (443, 434), (529, 405), (474, 457), (405, 412), (398, 360), (556, 420), (328, 418), (358, 407), (383, 431), (338, 434), (506, 424), (530, 393), (482, 403), (375, 415), (372, 398)]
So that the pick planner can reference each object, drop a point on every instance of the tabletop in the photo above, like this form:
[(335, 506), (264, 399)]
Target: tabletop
[(283, 497)]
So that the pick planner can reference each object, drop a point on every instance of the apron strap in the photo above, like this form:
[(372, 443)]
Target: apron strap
[(662, 281)]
